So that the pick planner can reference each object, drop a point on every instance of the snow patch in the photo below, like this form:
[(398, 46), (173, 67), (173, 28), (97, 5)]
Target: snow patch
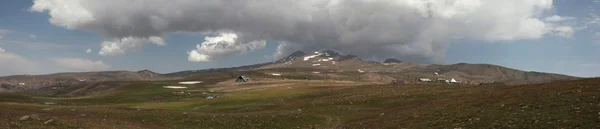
[(316, 64), (311, 56), (276, 74), (324, 60), (190, 82), (174, 87)]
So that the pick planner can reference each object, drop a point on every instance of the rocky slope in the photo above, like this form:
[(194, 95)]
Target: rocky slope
[(56, 81), (468, 73), (329, 60)]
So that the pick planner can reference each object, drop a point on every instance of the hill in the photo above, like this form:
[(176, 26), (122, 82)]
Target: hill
[(468, 73), (392, 61), (270, 103), (44, 83), (328, 61)]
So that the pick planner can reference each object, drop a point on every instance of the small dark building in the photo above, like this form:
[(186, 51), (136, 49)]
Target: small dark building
[(242, 79)]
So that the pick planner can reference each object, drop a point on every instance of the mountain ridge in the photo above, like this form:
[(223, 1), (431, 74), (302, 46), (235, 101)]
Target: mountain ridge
[(327, 59)]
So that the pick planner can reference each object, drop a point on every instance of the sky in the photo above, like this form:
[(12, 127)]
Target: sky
[(49, 36)]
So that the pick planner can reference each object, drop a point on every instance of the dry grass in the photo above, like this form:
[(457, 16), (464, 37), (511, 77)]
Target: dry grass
[(327, 104)]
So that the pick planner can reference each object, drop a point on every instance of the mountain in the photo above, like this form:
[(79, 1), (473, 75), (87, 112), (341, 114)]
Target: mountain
[(468, 73), (320, 60), (297, 54), (147, 74), (63, 80), (392, 61)]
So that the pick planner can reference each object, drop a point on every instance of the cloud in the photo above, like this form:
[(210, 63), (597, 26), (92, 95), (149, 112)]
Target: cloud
[(195, 56), (11, 64), (563, 31), (88, 51), (122, 46), (36, 45), (225, 44), (556, 18), (3, 32), (32, 36), (596, 37), (415, 30), (280, 52), (589, 65), (81, 64)]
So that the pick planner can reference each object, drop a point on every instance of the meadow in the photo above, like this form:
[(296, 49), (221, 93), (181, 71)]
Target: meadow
[(296, 103)]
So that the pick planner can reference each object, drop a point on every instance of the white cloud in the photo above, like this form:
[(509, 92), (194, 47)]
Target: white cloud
[(3, 32), (280, 52), (122, 46), (81, 64), (597, 37), (32, 36), (88, 51), (68, 13), (563, 31), (11, 64), (589, 65), (418, 30), (36, 45), (225, 44), (194, 56), (556, 18)]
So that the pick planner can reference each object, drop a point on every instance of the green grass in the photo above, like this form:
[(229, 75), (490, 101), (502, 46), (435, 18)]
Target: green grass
[(573, 104)]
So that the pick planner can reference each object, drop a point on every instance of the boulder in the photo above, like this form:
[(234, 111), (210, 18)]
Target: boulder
[(24, 118), (35, 116), (49, 121)]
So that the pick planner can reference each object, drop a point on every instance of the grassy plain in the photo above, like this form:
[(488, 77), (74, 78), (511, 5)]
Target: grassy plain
[(276, 103)]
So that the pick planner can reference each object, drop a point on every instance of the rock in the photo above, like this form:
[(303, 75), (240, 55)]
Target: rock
[(35, 116), (381, 114), (49, 121), (82, 115), (24, 118)]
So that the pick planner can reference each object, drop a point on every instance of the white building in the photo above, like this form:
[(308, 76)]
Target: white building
[(454, 81)]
